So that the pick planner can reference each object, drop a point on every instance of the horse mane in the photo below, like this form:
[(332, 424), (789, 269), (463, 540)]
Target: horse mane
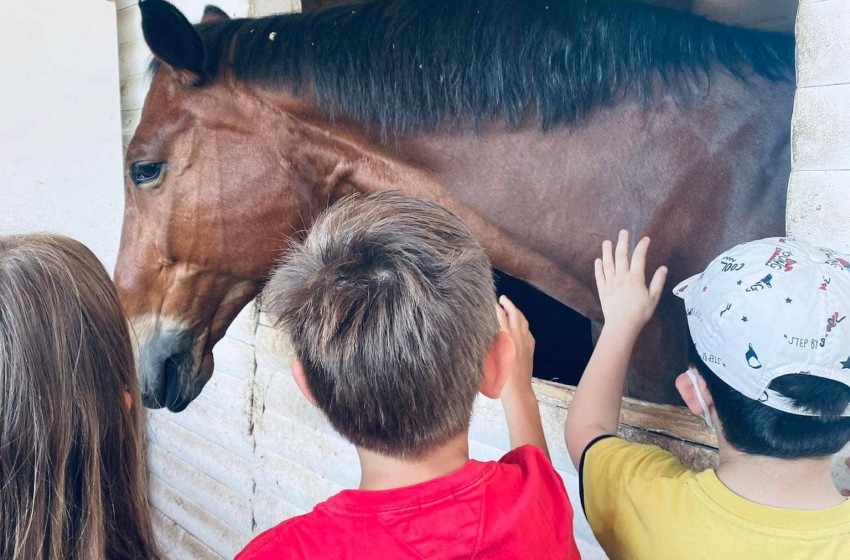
[(412, 65)]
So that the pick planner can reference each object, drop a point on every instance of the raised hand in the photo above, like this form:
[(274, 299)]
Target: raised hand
[(518, 399), (513, 322), (626, 299)]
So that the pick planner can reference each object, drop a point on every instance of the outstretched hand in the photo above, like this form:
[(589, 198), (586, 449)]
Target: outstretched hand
[(627, 303), (626, 299), (518, 398)]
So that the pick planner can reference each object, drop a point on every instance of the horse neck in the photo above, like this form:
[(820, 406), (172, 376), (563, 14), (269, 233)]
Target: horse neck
[(345, 159), (540, 202)]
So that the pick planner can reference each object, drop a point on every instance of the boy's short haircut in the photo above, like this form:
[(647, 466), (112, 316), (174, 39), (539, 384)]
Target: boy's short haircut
[(390, 306), (756, 429)]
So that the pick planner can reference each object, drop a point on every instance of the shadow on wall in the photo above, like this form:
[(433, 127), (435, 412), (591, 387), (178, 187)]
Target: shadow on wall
[(563, 339)]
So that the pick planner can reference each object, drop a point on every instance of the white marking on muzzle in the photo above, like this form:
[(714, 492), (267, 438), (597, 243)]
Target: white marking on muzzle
[(155, 338)]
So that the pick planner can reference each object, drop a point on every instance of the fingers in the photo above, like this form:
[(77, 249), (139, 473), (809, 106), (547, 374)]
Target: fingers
[(515, 316), (503, 318), (656, 286), (599, 273), (621, 255), (608, 260), (639, 257), (508, 306)]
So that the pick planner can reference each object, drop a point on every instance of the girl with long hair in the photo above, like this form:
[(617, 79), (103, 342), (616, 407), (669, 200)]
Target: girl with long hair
[(73, 482)]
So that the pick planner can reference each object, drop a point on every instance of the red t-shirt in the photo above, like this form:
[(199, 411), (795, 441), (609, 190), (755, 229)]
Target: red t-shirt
[(514, 508)]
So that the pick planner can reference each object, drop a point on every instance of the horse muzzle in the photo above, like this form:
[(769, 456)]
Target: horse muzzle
[(173, 366)]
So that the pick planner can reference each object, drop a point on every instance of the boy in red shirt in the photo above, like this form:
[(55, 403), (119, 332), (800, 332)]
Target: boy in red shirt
[(389, 304)]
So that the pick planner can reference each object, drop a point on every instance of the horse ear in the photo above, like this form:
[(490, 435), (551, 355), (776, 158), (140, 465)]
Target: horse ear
[(171, 38), (214, 14)]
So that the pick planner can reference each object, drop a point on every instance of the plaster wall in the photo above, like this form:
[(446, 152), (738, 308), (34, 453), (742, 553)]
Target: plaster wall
[(60, 149), (819, 190)]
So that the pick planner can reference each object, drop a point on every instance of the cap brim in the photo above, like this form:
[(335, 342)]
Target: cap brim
[(683, 287)]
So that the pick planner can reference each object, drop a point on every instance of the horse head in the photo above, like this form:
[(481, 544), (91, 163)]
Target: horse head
[(209, 204)]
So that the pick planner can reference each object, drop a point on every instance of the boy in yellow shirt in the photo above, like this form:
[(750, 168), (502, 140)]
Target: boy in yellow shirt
[(770, 370)]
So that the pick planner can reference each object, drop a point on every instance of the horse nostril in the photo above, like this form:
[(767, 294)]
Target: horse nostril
[(174, 400)]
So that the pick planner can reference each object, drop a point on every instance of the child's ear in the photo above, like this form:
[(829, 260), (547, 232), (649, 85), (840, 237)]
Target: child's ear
[(497, 365), (300, 377), (128, 400), (688, 392)]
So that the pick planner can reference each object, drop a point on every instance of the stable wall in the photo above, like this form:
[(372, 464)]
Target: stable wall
[(819, 191), (60, 156)]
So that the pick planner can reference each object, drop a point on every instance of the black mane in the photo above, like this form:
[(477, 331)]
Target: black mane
[(408, 65)]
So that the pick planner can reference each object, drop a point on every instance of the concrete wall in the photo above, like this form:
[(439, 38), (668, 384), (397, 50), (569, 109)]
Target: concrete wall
[(59, 130), (819, 191)]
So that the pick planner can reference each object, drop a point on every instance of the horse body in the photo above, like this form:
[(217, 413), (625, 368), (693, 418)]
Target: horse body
[(249, 166)]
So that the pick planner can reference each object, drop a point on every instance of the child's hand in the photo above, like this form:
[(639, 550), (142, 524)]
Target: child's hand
[(515, 324), (626, 300), (518, 398)]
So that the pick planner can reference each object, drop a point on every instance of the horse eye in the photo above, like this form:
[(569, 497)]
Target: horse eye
[(146, 173)]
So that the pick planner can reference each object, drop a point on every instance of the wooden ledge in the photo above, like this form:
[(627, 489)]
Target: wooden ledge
[(672, 428)]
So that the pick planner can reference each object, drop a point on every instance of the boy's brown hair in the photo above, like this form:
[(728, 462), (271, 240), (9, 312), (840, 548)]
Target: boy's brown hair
[(73, 482), (390, 305)]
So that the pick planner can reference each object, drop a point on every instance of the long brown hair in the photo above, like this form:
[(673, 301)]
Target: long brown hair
[(73, 483)]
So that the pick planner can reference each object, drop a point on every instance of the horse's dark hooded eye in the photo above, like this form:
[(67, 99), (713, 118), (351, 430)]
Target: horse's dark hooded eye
[(146, 173)]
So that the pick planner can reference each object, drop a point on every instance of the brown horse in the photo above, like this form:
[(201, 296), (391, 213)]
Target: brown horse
[(546, 126)]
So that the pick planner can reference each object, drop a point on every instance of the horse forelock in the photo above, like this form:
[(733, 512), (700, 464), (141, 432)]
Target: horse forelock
[(411, 65)]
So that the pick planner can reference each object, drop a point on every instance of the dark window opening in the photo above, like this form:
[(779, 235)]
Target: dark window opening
[(563, 340)]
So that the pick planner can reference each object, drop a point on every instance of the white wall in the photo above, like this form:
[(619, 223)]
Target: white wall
[(819, 192), (60, 150)]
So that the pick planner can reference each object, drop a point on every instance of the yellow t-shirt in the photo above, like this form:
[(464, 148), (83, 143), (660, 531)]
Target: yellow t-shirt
[(643, 504)]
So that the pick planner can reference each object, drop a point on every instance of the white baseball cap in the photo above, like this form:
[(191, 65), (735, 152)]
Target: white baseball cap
[(769, 308)]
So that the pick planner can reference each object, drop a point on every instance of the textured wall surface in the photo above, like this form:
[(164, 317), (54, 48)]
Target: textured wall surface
[(819, 191)]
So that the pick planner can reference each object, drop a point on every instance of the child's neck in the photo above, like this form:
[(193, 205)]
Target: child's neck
[(782, 483), (380, 472)]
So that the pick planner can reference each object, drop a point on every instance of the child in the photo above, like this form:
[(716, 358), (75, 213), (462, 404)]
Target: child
[(770, 370), (73, 483), (390, 306)]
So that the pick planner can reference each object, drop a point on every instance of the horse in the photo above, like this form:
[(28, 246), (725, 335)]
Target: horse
[(545, 125)]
